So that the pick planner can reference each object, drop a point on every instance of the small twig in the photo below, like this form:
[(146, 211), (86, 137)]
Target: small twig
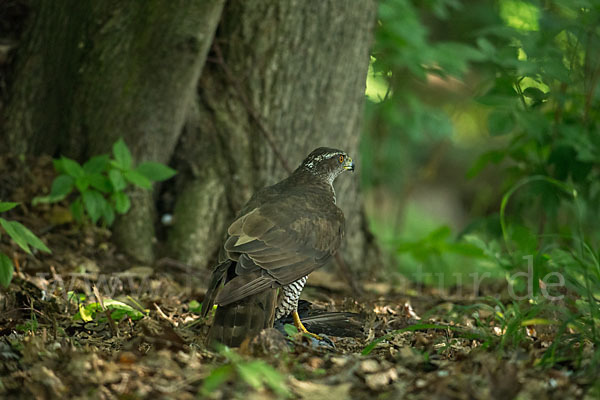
[(164, 316), (255, 116), (107, 312)]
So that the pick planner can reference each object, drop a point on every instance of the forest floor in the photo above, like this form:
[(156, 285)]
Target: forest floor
[(85, 322)]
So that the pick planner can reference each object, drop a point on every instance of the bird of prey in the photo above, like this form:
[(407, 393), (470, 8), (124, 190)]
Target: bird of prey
[(282, 234)]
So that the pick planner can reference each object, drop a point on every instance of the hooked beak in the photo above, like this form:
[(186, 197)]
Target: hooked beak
[(349, 164)]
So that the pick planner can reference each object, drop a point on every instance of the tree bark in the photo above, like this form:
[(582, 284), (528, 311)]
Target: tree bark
[(91, 72), (285, 77)]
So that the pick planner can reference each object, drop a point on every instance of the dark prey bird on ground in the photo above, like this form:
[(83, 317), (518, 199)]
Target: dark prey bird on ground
[(282, 234)]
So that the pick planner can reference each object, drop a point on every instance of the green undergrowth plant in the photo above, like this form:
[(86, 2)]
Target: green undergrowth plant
[(538, 91), (101, 183), (257, 374), (22, 236)]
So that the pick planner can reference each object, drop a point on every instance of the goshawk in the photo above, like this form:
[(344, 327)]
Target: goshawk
[(282, 234)]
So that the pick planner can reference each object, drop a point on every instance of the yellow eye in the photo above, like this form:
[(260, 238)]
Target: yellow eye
[(341, 159)]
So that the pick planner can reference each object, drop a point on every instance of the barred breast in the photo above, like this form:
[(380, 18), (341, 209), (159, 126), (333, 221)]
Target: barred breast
[(289, 298)]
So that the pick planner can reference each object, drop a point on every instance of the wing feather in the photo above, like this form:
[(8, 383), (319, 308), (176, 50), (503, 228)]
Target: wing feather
[(274, 248)]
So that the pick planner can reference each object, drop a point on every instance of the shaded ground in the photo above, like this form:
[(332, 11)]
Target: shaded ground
[(57, 342)]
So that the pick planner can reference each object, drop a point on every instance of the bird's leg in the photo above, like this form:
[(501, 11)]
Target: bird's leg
[(300, 326)]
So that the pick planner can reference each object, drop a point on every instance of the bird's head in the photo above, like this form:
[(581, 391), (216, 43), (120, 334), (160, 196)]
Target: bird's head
[(327, 163)]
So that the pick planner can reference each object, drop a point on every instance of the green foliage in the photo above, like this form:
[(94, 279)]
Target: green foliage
[(195, 306), (95, 311), (255, 373), (533, 71), (543, 97), (101, 183), (28, 326), (22, 236)]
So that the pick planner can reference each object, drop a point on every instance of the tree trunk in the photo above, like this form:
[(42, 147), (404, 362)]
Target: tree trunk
[(91, 72), (285, 77)]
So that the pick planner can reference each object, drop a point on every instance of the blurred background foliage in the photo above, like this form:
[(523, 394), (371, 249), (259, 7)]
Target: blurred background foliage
[(481, 147)]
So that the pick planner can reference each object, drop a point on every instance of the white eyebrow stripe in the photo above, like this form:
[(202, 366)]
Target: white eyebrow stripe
[(320, 158)]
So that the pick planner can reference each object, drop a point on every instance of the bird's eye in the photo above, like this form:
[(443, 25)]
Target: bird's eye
[(341, 159)]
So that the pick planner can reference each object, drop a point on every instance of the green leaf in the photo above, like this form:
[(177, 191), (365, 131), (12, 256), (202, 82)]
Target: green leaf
[(155, 171), (195, 306), (535, 94), (108, 213), (82, 183), (11, 229), (290, 329), (138, 179), (250, 374), (94, 204), (500, 122), (31, 238), (217, 377), (100, 182), (7, 206), (493, 156), (117, 180), (119, 308), (72, 167), (122, 154), (77, 209), (61, 187), (23, 236), (122, 202), (96, 164), (6, 270)]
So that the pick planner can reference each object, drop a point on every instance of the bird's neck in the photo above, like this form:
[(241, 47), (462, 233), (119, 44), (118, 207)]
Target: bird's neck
[(309, 177)]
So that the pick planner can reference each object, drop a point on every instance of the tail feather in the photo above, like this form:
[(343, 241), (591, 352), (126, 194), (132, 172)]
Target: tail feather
[(218, 276), (237, 321)]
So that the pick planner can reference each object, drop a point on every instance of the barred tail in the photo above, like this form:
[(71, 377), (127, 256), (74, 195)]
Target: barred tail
[(243, 319)]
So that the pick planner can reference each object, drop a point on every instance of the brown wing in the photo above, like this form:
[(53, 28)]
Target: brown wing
[(277, 243)]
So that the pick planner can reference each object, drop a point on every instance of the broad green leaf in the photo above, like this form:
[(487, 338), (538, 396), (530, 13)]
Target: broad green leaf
[(122, 154), (7, 206), (23, 236), (84, 314), (500, 122), (72, 167), (493, 156), (94, 204), (6, 270), (117, 180), (15, 234), (76, 208), (100, 182), (122, 202), (108, 213), (273, 379), (82, 183), (138, 179), (58, 165), (96, 164), (31, 238), (535, 94), (217, 377), (61, 187), (120, 309), (195, 306), (290, 329), (250, 374), (155, 171)]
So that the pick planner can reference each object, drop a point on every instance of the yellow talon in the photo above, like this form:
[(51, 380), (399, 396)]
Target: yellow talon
[(300, 326)]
